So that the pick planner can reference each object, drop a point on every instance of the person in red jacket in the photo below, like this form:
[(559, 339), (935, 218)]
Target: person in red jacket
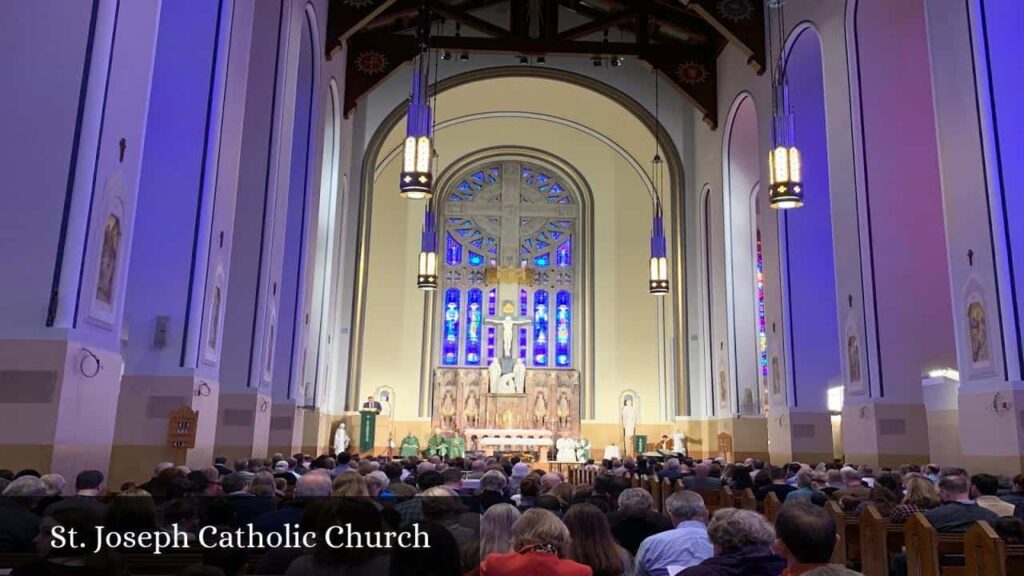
[(539, 543)]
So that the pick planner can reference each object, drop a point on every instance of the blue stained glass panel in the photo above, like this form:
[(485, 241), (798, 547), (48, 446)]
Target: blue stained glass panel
[(475, 259), (492, 301), (540, 328), (490, 344), (452, 251), (524, 307), (474, 325), (563, 255), (450, 333), (542, 261), (563, 329)]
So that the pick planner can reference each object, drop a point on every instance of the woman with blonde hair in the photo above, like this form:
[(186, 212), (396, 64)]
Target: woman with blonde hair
[(349, 483), (919, 496), (539, 545)]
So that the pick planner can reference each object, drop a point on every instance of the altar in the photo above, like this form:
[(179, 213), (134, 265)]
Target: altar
[(547, 407)]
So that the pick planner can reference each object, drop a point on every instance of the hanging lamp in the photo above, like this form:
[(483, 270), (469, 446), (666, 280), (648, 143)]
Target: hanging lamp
[(785, 178), (659, 283), (426, 277), (417, 180)]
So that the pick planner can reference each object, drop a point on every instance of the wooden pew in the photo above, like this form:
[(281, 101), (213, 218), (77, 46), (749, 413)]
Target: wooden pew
[(847, 550), (743, 500), (987, 555), (654, 487), (771, 507), (712, 500), (926, 547), (667, 488), (879, 542)]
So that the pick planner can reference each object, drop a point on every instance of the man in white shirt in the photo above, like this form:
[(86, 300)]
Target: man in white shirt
[(686, 545)]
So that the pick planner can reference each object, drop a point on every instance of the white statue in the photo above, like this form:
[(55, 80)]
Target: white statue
[(519, 376), (628, 418), (508, 325), (341, 439), (494, 372), (385, 404)]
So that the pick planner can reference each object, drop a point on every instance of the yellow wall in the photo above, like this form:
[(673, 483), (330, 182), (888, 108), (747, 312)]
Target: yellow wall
[(625, 346)]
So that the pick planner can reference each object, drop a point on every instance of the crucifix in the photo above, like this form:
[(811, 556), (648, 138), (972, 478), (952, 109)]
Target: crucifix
[(508, 324)]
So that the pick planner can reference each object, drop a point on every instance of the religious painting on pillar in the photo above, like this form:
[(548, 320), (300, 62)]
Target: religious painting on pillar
[(109, 237), (508, 300), (976, 311), (853, 356)]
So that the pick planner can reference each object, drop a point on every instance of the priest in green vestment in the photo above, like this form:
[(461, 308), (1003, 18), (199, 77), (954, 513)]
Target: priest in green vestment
[(436, 445), (410, 446), (456, 447)]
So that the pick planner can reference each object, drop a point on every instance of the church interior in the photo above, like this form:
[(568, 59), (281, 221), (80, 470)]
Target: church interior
[(787, 230)]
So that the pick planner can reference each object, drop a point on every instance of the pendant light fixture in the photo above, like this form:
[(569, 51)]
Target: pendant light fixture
[(659, 255), (786, 189), (417, 179), (427, 266)]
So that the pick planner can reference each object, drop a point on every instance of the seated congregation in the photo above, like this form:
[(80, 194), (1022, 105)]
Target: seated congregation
[(492, 516)]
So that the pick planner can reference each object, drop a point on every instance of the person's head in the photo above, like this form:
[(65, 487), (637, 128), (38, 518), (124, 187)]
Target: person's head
[(161, 467), (452, 477), (1018, 483), (741, 477), (369, 398), (549, 481), (686, 506), (954, 488), (832, 570), (54, 483), (393, 471), (592, 543), (428, 479), (702, 470), (805, 478), (492, 480), (890, 481), (851, 477), (529, 487), (672, 464), (983, 484), (82, 520), (539, 529), (376, 482), (315, 484), (778, 475), (806, 534), (131, 510), (343, 459), (496, 529), (89, 480), (440, 504), (356, 516), (921, 492), (564, 492), (349, 483), (25, 487), (731, 529), (635, 503), (263, 483), (835, 477), (234, 483)]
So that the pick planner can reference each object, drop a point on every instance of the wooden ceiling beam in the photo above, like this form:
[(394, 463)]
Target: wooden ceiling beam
[(598, 24), (742, 23)]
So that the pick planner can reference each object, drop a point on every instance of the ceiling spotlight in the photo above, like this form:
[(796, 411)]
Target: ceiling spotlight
[(446, 55), (596, 61), (541, 60), (615, 61), (464, 57), (524, 60)]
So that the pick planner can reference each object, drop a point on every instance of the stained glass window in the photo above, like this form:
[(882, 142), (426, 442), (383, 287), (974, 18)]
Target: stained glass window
[(474, 325), (536, 217), (540, 328), (762, 334), (492, 307), (450, 341), (563, 329)]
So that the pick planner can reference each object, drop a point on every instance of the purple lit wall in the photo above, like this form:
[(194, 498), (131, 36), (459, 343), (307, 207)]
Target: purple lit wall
[(807, 236), (906, 228), (170, 182), (298, 185), (38, 108), (1000, 27)]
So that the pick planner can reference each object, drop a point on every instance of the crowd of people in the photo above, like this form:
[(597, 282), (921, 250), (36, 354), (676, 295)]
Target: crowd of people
[(485, 516)]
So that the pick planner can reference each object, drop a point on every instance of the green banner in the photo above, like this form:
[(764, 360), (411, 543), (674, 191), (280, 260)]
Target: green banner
[(639, 443), (367, 428)]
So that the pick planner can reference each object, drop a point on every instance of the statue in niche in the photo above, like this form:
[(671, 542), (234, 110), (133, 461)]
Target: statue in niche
[(211, 341), (628, 416), (562, 409), (776, 376), (853, 355), (108, 260), (540, 410), (341, 439), (979, 332), (448, 410), (748, 401), (472, 409)]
